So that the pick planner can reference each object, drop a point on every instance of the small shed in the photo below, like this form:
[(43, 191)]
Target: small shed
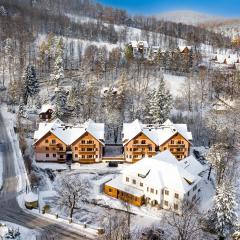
[(46, 112), (99, 184), (31, 200)]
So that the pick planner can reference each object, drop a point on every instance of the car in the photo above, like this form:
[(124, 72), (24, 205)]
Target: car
[(196, 154), (112, 164)]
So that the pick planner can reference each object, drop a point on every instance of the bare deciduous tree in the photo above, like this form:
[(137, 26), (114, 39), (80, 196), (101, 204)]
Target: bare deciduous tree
[(72, 191)]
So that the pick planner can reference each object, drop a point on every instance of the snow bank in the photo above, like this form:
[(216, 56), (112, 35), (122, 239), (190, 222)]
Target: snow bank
[(26, 233)]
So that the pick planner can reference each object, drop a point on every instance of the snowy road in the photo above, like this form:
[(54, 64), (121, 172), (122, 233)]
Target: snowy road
[(9, 208)]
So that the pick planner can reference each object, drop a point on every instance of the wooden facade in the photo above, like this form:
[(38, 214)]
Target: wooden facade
[(46, 115), (87, 149), (126, 197), (50, 149), (177, 145), (141, 146)]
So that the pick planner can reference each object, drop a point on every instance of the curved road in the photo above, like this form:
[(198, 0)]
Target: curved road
[(9, 208)]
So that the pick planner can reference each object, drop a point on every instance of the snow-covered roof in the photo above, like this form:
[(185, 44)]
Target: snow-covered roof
[(117, 184), (192, 165), (182, 48), (159, 134), (31, 197), (135, 44), (227, 59), (223, 104), (163, 171), (69, 134), (46, 107)]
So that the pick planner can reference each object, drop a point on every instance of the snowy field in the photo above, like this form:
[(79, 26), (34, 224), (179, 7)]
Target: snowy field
[(25, 233), (174, 84)]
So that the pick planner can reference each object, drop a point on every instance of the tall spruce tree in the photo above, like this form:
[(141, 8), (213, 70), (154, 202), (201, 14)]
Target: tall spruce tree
[(160, 104), (223, 214), (31, 84)]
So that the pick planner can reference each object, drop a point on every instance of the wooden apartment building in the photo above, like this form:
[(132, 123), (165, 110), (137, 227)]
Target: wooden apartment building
[(58, 142), (141, 140)]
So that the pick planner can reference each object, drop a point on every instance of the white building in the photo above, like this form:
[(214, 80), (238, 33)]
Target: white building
[(162, 180)]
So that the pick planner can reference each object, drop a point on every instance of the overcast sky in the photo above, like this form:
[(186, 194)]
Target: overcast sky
[(227, 8)]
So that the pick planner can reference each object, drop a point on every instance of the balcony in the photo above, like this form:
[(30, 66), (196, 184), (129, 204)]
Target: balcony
[(176, 145), (140, 144), (86, 144), (86, 151), (60, 150)]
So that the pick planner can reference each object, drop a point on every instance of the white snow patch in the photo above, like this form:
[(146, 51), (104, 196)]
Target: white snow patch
[(26, 234)]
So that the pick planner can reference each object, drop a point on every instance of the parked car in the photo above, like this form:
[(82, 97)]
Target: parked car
[(196, 154), (112, 164)]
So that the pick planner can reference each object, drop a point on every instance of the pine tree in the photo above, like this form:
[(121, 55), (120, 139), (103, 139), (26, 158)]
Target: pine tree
[(160, 104), (128, 52), (224, 213), (58, 65), (31, 84), (60, 103)]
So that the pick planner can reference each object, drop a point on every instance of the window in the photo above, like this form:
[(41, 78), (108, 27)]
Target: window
[(47, 155), (166, 192), (90, 141), (96, 156), (135, 142), (76, 155), (130, 156), (134, 181), (127, 179), (96, 149), (150, 156), (156, 191), (61, 156), (175, 206), (147, 189), (195, 187), (76, 148), (166, 203), (172, 141), (143, 141), (54, 155), (83, 141), (47, 148), (165, 148), (53, 141), (109, 190), (83, 149), (152, 190), (130, 149), (188, 193), (194, 197), (141, 184), (83, 156), (46, 141), (176, 195)]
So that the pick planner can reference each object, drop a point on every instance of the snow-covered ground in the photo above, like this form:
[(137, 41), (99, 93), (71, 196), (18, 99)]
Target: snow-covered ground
[(25, 233), (174, 84), (94, 212)]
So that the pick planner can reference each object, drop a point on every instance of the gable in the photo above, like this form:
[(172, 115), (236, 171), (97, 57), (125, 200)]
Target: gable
[(48, 135), (176, 136), (84, 136)]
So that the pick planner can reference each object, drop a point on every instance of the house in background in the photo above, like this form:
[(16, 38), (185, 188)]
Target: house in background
[(140, 48), (161, 180), (46, 112), (57, 142), (143, 140)]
